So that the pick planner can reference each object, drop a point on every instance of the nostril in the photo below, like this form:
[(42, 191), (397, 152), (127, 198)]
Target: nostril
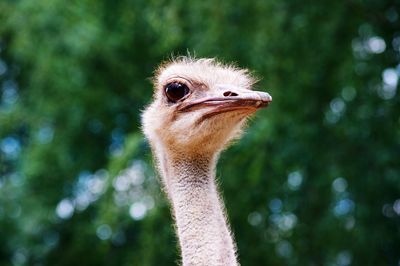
[(230, 93)]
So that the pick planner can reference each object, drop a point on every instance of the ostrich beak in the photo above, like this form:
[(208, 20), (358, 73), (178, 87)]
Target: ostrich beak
[(229, 97)]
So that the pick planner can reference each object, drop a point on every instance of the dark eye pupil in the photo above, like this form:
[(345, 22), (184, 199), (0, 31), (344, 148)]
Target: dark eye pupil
[(176, 91)]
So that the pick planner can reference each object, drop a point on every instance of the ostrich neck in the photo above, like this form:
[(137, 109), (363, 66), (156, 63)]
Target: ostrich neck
[(202, 227)]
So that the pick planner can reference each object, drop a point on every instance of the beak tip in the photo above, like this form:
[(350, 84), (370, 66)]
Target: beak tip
[(267, 97)]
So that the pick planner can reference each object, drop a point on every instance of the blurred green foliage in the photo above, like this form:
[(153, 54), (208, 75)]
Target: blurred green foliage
[(315, 180)]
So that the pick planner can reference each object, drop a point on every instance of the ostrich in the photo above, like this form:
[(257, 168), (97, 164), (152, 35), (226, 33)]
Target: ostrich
[(199, 106)]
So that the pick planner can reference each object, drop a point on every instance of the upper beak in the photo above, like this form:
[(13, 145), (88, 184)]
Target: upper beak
[(259, 98), (232, 97)]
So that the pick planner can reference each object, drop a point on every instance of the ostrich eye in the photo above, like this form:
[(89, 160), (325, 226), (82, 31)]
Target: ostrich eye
[(176, 91)]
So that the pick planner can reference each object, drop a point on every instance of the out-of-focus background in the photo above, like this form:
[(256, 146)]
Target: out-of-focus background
[(314, 181)]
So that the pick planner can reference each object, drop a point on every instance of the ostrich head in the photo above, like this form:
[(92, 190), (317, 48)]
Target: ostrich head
[(199, 106)]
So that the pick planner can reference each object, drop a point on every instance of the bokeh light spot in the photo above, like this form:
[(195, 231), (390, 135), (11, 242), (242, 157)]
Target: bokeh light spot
[(343, 207), (254, 218), (104, 232), (387, 210), (376, 45), (396, 206), (275, 205), (65, 209), (294, 180), (284, 249), (344, 258), (45, 134), (348, 93), (11, 147), (337, 106), (138, 210), (390, 77), (339, 185), (10, 94)]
